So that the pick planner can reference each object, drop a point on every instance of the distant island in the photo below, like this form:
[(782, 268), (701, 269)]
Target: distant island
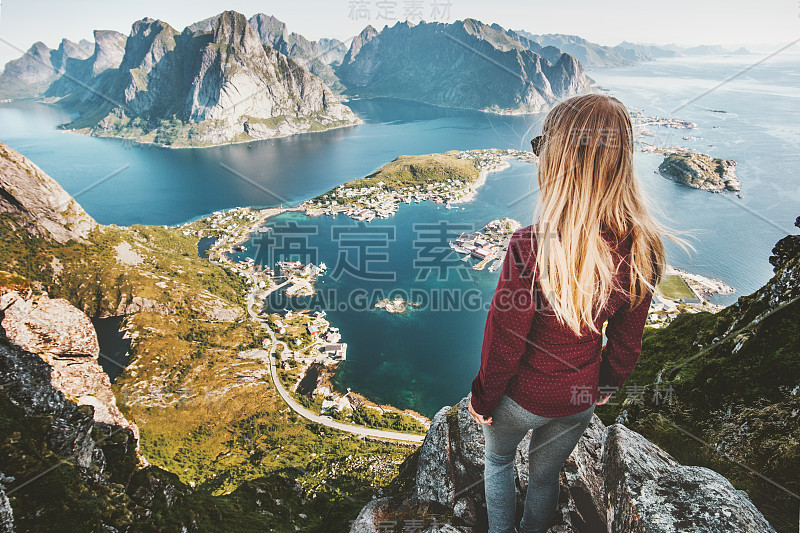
[(700, 171), (395, 306), (450, 178), (466, 64), (216, 82)]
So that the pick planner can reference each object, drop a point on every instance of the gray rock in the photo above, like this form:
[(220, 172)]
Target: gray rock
[(6, 513), (700, 171), (37, 204), (614, 480), (646, 490), (47, 325)]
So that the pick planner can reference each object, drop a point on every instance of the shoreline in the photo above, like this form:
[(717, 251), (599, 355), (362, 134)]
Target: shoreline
[(152, 144), (702, 286)]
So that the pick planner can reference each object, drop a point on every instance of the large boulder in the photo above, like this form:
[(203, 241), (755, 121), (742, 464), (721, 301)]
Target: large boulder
[(614, 480)]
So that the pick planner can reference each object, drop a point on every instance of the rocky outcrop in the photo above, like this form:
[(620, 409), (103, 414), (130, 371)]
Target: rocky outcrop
[(48, 326), (476, 67), (315, 56), (36, 203), (700, 171), (66, 468), (65, 339), (84, 78), (201, 88), (6, 513), (614, 480)]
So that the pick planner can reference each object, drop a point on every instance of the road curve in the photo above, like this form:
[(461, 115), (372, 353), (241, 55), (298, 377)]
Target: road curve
[(325, 421)]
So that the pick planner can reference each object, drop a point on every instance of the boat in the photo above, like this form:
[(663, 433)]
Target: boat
[(459, 249)]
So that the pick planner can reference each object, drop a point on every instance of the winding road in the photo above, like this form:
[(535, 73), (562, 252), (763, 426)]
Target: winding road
[(305, 413)]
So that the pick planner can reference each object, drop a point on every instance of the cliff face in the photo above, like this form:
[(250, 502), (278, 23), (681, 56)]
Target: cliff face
[(466, 64), (614, 480), (60, 465), (35, 203), (199, 88), (315, 56), (65, 339)]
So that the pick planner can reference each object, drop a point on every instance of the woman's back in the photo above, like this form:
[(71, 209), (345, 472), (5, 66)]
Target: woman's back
[(541, 363)]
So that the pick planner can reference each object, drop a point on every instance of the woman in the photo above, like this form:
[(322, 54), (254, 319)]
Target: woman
[(595, 255)]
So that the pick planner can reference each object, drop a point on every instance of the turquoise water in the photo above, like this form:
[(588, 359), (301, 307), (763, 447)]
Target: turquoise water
[(428, 358)]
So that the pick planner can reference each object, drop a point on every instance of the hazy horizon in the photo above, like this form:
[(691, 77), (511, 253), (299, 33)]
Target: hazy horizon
[(767, 26)]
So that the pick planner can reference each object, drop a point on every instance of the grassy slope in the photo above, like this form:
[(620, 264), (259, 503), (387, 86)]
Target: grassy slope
[(739, 401), (221, 441)]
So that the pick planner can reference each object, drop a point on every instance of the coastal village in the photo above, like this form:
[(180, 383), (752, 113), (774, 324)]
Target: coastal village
[(305, 340), (367, 199), (488, 245), (309, 347)]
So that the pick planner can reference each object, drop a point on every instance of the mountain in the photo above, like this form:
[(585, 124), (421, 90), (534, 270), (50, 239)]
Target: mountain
[(32, 73), (35, 204), (196, 384), (213, 83), (316, 56), (200, 88), (466, 64), (89, 76), (591, 55), (643, 52)]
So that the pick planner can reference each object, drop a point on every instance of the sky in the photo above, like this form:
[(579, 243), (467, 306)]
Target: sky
[(765, 25)]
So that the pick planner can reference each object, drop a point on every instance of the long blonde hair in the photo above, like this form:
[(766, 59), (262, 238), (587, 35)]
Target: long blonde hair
[(587, 186)]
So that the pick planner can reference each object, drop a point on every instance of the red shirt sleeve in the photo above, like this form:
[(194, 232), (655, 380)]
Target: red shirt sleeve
[(508, 324), (624, 345)]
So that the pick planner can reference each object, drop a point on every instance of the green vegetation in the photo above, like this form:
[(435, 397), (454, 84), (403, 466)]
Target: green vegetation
[(412, 170), (736, 396), (205, 414), (674, 287), (91, 277), (373, 418)]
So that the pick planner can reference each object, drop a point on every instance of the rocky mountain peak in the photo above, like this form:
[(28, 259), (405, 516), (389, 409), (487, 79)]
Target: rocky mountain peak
[(269, 28), (232, 29), (366, 35), (109, 49)]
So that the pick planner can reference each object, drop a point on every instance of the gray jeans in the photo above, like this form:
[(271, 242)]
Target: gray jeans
[(552, 440)]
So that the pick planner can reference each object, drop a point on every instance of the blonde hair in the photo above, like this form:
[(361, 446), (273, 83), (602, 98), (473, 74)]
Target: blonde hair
[(587, 186)]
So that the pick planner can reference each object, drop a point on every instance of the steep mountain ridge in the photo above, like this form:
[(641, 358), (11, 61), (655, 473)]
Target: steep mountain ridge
[(477, 67), (30, 75), (212, 83), (315, 56)]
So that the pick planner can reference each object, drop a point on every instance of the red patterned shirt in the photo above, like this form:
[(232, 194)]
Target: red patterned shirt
[(541, 364)]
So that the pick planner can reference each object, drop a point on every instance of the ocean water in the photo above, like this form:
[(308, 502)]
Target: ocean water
[(428, 357)]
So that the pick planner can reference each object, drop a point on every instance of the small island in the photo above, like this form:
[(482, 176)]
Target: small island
[(700, 171), (397, 305), (450, 178)]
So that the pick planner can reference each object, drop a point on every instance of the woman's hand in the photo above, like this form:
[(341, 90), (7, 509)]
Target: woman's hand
[(603, 399), (479, 418)]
